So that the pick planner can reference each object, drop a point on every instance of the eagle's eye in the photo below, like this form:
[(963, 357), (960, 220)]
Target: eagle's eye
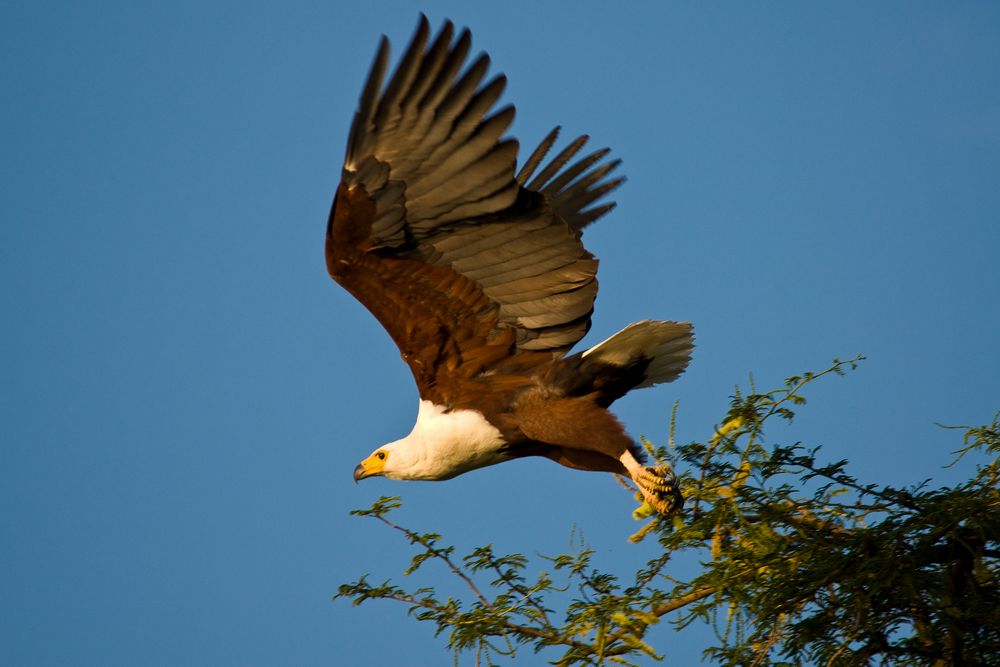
[(380, 455)]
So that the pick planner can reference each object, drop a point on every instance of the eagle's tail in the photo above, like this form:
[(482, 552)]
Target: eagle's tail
[(640, 355)]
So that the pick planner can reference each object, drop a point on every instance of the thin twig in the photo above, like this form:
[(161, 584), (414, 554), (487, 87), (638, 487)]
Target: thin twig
[(438, 553)]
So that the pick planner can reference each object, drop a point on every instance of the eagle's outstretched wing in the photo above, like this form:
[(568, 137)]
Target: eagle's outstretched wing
[(463, 262)]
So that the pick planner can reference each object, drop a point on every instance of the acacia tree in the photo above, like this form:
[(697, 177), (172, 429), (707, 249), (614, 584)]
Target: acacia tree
[(798, 562)]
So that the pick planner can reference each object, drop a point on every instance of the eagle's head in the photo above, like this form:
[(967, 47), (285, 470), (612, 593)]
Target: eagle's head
[(408, 458), (444, 443), (372, 466)]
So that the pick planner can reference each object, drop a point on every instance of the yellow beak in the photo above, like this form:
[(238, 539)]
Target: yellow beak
[(370, 467)]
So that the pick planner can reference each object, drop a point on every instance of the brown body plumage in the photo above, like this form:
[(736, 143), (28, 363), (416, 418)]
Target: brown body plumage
[(482, 280)]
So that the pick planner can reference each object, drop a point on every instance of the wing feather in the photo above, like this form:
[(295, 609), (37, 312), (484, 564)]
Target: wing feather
[(463, 262), (557, 163), (537, 155)]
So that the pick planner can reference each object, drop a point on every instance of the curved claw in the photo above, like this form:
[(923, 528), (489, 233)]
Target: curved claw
[(659, 488)]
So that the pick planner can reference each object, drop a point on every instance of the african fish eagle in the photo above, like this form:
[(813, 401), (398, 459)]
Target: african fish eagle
[(479, 275)]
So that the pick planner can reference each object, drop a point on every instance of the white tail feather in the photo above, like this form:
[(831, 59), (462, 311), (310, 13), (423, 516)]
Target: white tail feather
[(668, 344)]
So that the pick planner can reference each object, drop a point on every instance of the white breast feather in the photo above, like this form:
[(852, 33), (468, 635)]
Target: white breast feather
[(444, 444)]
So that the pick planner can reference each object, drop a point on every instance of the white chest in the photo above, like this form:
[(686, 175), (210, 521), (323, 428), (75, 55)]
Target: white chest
[(444, 444)]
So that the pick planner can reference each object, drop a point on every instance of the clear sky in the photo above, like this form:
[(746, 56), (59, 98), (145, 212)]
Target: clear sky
[(185, 393)]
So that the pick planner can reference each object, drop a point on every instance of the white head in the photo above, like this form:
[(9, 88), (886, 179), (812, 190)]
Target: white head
[(441, 445), (395, 460)]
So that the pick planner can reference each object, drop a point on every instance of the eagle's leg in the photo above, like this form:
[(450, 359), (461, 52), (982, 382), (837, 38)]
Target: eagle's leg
[(586, 436), (658, 484)]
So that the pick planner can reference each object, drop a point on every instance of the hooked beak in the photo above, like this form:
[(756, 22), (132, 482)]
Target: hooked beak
[(370, 467)]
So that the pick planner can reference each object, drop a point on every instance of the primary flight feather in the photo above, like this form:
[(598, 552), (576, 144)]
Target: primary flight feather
[(480, 277)]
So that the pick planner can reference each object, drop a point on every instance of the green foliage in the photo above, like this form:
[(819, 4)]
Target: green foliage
[(801, 563)]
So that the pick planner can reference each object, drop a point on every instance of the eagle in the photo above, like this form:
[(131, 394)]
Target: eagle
[(477, 271)]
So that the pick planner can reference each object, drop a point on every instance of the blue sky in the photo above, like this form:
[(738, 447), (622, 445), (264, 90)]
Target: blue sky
[(186, 393)]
